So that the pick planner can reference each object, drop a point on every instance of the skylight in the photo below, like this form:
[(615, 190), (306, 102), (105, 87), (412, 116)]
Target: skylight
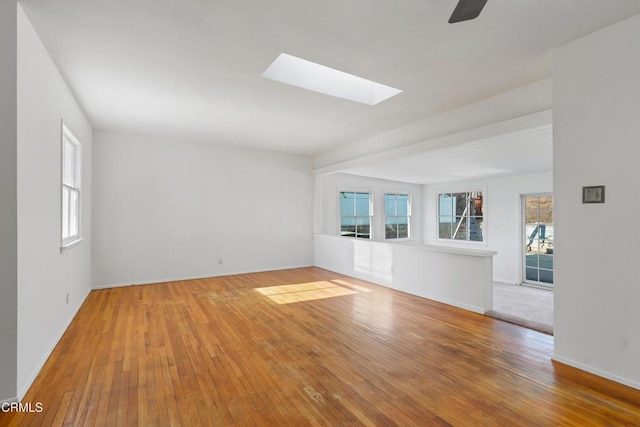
[(319, 78)]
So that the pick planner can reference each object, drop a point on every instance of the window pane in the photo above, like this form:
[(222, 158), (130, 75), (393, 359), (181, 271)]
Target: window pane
[(68, 163), (460, 228), (363, 227), (531, 216), (445, 205), (539, 209), (475, 229), (445, 229), (545, 202), (546, 261), (532, 274), (545, 216), (362, 204), (403, 227), (390, 204), (348, 227), (546, 276), (74, 210), (460, 202), (475, 205), (347, 204), (391, 228), (65, 213), (403, 205)]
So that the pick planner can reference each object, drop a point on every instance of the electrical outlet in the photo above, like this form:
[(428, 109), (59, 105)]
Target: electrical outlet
[(67, 299), (220, 261)]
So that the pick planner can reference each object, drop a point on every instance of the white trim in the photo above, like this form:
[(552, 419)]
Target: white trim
[(503, 282), (22, 391), (10, 400), (595, 371), (199, 277), (421, 246), (70, 244), (452, 242)]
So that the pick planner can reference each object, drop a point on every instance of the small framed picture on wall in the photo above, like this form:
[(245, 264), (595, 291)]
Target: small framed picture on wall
[(593, 194)]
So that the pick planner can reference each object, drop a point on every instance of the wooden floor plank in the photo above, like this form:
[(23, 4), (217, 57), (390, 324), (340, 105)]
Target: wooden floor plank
[(306, 347)]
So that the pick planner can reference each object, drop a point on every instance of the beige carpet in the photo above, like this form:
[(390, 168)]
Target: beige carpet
[(523, 305)]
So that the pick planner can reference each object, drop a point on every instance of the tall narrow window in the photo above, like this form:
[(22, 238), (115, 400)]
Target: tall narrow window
[(397, 211), (460, 216), (355, 214), (70, 188)]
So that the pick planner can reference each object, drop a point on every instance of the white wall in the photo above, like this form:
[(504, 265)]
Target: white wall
[(328, 186), (45, 275), (596, 142), (167, 210), (8, 206), (502, 215), (459, 277)]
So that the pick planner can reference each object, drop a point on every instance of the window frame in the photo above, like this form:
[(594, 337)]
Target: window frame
[(70, 185), (408, 215), (467, 216), (355, 216)]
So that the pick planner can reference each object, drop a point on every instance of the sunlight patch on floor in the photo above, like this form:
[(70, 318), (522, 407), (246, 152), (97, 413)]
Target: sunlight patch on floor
[(287, 294), (351, 285)]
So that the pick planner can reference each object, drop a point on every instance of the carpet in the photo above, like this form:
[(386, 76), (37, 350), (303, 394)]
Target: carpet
[(529, 324), (523, 305)]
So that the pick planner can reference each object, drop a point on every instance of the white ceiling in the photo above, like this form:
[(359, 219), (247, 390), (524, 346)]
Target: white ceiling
[(191, 69), (514, 153)]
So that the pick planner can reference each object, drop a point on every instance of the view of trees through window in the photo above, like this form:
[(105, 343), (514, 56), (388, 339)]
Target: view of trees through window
[(460, 216)]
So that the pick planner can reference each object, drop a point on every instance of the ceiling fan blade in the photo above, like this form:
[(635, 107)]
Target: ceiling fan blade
[(466, 10)]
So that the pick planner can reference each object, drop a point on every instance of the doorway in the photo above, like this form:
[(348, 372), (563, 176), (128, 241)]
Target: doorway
[(537, 224)]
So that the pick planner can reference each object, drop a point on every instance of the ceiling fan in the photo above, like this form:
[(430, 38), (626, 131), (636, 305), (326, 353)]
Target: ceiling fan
[(466, 10)]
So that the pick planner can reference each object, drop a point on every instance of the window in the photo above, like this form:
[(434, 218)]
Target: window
[(460, 216), (70, 188), (355, 214), (396, 216)]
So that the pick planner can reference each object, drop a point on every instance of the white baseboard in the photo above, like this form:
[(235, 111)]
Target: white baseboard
[(596, 371), (504, 282), (22, 391), (205, 276), (11, 400)]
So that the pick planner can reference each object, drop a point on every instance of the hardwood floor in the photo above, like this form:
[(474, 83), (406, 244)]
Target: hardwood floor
[(256, 350)]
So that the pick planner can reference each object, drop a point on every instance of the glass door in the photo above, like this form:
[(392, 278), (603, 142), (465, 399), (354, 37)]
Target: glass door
[(538, 239)]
